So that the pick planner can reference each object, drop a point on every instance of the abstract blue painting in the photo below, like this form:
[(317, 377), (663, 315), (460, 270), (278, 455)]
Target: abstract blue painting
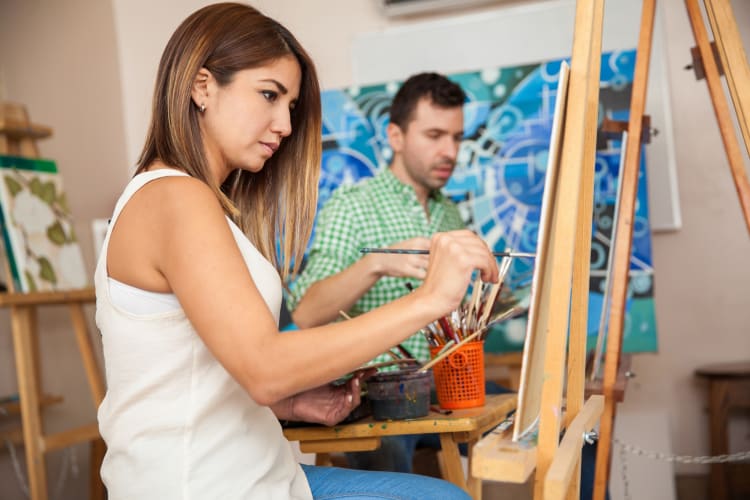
[(499, 180)]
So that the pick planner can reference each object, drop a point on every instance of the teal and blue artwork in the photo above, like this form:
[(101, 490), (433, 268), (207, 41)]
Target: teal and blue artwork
[(499, 181)]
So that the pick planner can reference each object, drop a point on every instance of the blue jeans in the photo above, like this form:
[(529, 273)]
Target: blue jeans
[(350, 484)]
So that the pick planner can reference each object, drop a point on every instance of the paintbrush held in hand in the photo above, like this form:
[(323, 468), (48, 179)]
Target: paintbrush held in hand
[(414, 251), (471, 319)]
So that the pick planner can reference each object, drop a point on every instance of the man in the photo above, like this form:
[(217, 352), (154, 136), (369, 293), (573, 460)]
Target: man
[(401, 207)]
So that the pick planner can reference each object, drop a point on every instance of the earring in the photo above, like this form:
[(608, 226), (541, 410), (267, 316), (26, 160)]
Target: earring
[(203, 108)]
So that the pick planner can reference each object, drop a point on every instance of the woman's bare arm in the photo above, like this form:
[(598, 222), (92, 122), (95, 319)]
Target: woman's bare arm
[(184, 245)]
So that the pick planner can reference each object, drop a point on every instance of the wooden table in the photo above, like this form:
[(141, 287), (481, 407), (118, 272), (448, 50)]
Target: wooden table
[(461, 426), (729, 388)]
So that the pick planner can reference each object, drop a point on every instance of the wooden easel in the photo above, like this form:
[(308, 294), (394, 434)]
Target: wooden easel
[(18, 137), (565, 264), (734, 61)]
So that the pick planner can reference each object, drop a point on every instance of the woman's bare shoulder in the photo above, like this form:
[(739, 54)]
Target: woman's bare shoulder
[(178, 196)]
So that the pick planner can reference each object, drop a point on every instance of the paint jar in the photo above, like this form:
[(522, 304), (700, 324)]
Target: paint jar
[(400, 394)]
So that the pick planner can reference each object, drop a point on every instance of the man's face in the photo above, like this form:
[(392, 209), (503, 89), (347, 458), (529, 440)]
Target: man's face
[(425, 153)]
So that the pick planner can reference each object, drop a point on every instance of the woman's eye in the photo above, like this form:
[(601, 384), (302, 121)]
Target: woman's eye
[(270, 95)]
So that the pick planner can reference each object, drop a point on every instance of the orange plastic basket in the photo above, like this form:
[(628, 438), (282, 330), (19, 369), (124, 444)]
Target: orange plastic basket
[(459, 378)]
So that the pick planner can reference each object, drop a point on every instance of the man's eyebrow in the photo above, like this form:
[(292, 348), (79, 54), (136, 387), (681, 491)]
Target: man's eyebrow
[(282, 89), (444, 131)]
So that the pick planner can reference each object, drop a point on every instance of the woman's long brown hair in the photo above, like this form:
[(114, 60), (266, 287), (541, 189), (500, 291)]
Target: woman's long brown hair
[(274, 207)]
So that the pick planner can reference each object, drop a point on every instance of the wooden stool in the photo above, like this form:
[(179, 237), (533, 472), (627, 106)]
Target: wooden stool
[(729, 388)]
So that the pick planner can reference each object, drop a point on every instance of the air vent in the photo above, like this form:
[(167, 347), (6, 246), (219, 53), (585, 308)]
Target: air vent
[(396, 8)]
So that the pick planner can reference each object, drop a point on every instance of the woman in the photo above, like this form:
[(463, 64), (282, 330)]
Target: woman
[(188, 286)]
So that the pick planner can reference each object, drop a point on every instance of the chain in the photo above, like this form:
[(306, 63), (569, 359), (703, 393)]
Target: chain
[(624, 448), (683, 459), (17, 468), (69, 460), (624, 471)]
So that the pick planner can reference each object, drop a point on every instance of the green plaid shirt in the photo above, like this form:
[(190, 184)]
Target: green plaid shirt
[(376, 212)]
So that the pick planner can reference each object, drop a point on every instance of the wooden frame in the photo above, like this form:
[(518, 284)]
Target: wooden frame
[(568, 249), (17, 136), (623, 244), (738, 80), (737, 72), (733, 60)]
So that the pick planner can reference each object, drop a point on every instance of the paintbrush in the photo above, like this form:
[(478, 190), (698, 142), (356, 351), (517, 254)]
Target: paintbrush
[(415, 251), (446, 352), (450, 350), (494, 291)]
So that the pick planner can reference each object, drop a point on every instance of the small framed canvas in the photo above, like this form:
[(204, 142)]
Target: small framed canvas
[(37, 229)]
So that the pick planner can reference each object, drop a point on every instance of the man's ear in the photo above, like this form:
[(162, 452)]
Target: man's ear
[(199, 89), (395, 137)]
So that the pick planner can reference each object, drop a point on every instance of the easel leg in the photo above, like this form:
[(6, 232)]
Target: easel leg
[(323, 459), (718, 417), (33, 334), (452, 461), (96, 487), (474, 484), (721, 108), (604, 450), (22, 323), (623, 245), (96, 384)]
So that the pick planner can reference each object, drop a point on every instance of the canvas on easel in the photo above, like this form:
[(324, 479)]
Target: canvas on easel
[(529, 392), (37, 228)]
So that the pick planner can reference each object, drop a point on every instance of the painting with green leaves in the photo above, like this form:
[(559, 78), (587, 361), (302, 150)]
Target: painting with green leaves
[(40, 243)]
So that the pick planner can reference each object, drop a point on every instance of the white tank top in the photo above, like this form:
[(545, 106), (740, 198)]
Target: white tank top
[(176, 424)]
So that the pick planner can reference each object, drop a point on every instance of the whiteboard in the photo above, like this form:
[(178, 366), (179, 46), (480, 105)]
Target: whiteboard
[(529, 32)]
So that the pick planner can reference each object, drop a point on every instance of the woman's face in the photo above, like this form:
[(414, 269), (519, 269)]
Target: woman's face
[(245, 121)]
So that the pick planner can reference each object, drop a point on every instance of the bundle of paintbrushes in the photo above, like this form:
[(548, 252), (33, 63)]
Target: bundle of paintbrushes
[(489, 303), (484, 307)]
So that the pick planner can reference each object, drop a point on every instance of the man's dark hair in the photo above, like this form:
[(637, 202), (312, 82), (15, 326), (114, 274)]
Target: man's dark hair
[(437, 88)]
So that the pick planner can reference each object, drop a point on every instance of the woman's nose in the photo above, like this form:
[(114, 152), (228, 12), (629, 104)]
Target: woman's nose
[(282, 125)]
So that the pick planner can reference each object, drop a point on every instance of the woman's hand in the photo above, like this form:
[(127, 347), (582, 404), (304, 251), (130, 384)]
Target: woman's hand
[(327, 404), (454, 255)]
